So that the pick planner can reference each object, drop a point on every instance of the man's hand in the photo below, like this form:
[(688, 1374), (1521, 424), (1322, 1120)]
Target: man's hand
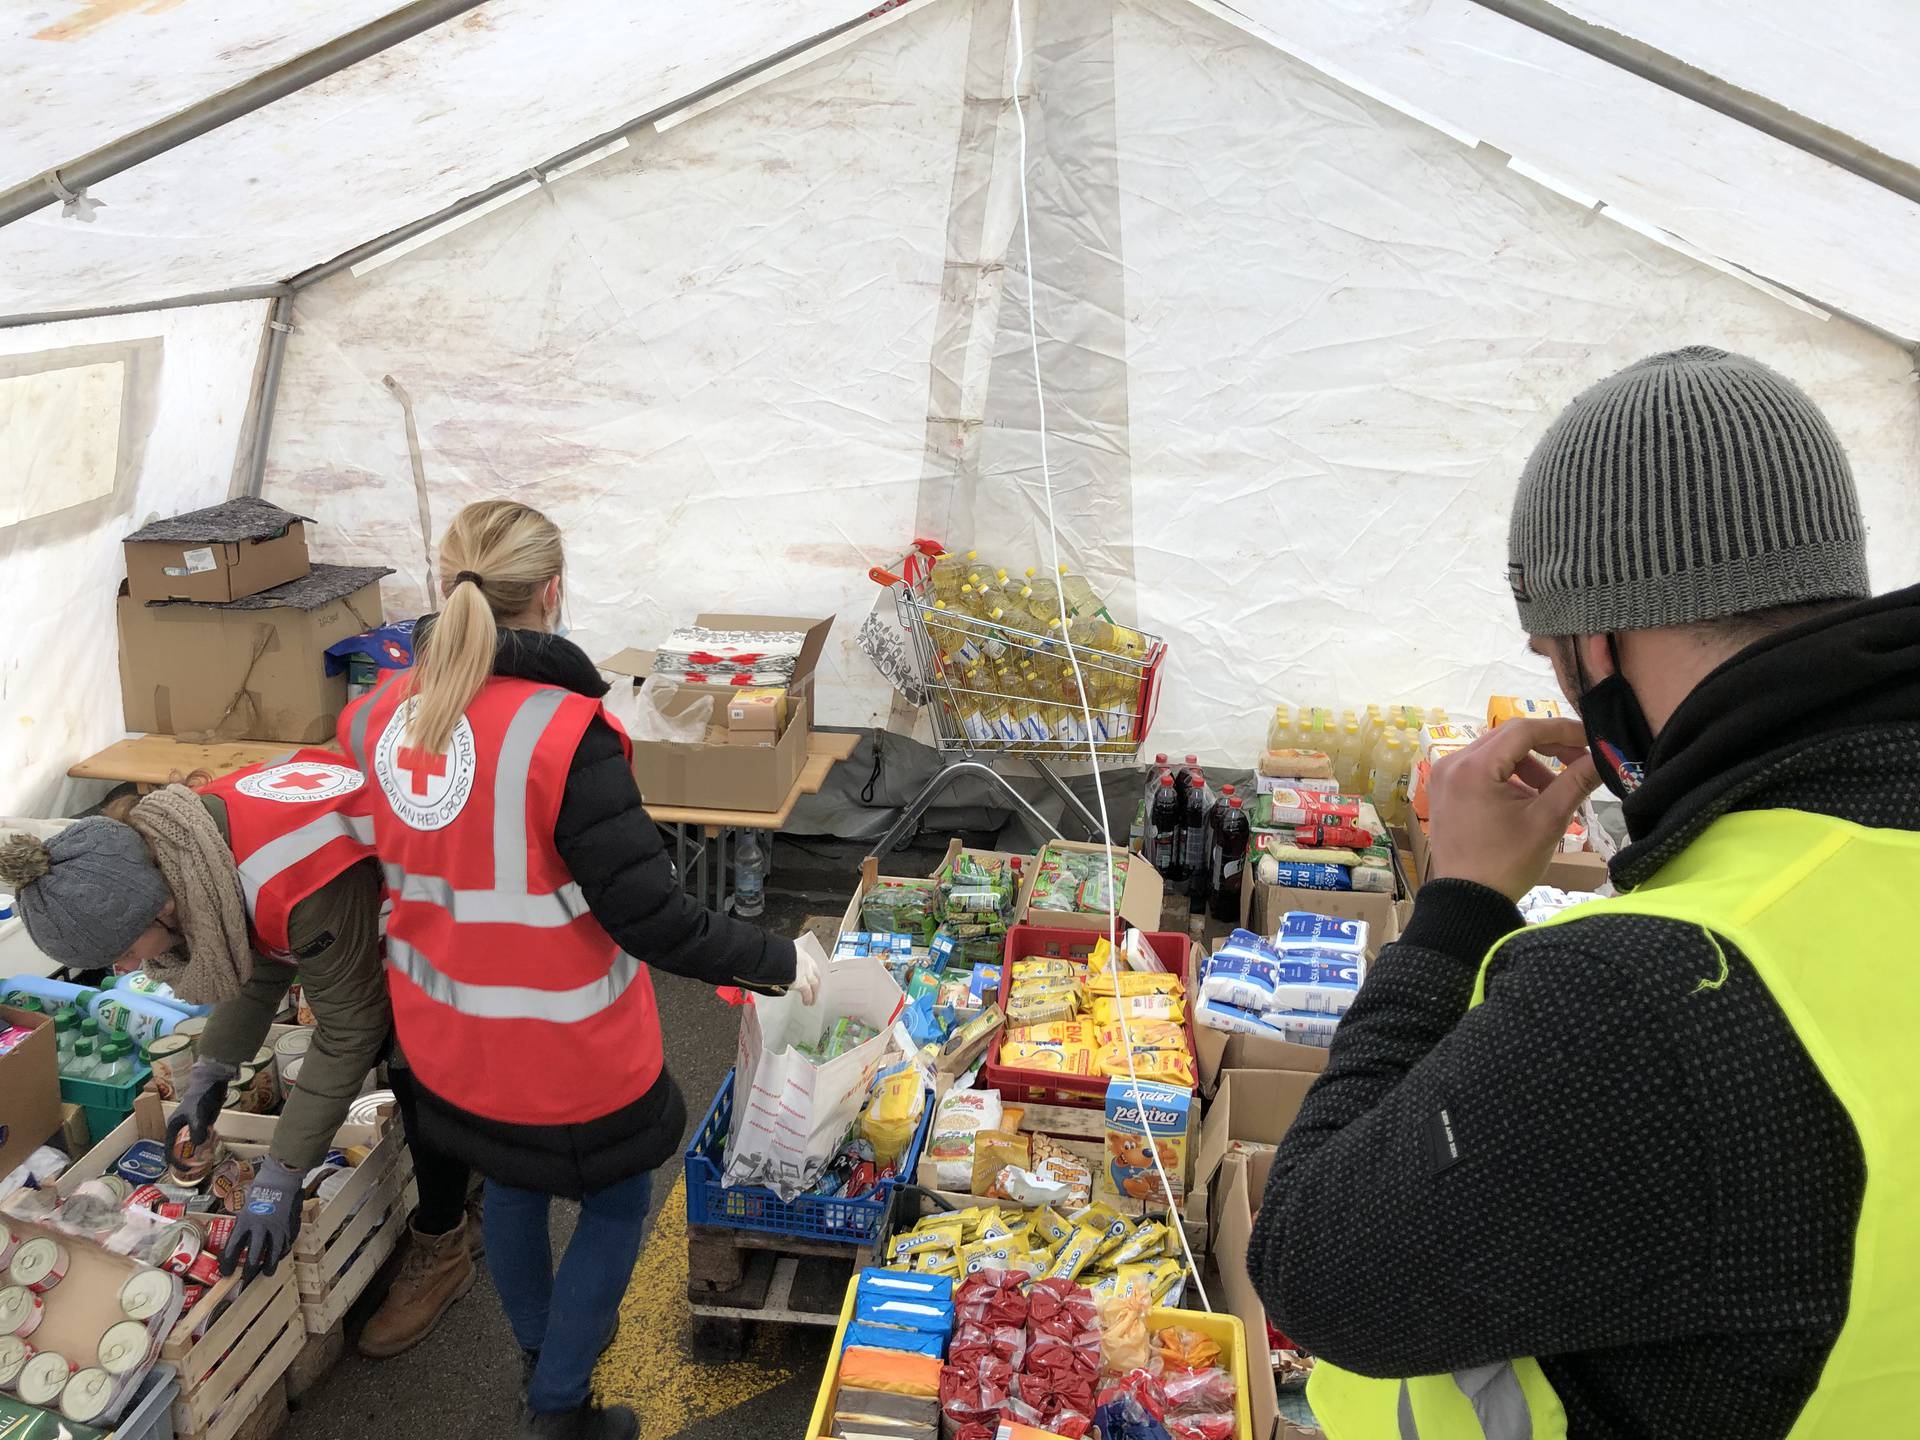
[(268, 1222), (1498, 813), (200, 1105)]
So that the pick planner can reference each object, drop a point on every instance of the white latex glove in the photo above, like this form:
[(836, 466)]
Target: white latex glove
[(806, 977)]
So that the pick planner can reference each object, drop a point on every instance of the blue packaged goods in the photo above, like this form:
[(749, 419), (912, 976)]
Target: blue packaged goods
[(1318, 980), (985, 978), (886, 1337), (1305, 877), (1142, 1118), (935, 1317), (1234, 1019), (898, 1284), (1244, 972), (885, 944), (143, 1163), (1325, 932)]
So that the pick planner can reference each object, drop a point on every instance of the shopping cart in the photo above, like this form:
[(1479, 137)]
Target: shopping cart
[(1002, 686)]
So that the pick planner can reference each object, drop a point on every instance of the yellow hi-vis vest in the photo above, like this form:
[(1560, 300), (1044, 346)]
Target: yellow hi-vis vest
[(1828, 914)]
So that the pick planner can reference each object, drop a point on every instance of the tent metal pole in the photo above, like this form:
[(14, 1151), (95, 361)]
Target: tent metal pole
[(1673, 74), (230, 104), (348, 259), (279, 327), (140, 307)]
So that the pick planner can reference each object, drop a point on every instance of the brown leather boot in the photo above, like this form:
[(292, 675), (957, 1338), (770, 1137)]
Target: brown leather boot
[(436, 1271)]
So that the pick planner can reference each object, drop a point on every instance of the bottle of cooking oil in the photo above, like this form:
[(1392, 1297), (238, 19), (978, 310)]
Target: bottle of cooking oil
[(1280, 728), (1389, 777), (1348, 758)]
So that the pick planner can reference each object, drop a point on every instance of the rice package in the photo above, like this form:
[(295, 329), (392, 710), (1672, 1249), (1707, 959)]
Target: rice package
[(962, 1115), (1322, 932)]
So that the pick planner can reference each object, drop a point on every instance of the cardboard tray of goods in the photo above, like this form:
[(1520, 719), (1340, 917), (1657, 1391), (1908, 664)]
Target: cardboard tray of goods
[(1224, 1330)]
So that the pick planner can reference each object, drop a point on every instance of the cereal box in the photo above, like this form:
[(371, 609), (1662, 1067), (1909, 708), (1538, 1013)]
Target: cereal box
[(1139, 1120)]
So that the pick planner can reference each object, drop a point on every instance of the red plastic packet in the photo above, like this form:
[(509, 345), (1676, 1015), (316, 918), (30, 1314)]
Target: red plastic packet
[(992, 1298), (1062, 1309), (1198, 1391), (1201, 1427), (1144, 1387), (1053, 1357)]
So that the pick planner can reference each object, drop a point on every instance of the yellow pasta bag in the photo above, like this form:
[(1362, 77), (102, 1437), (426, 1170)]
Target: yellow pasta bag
[(1107, 1009), (1045, 968), (1151, 1034), (1168, 1067), (1058, 1032), (1055, 1059), (1135, 982)]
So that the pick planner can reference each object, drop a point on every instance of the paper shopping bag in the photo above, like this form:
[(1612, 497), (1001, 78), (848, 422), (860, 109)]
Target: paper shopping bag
[(791, 1114)]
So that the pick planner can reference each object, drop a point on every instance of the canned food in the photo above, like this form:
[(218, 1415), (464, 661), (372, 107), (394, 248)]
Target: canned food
[(14, 1354), (9, 1242), (125, 1346), (192, 1027), (174, 1248), (191, 1297), (176, 1193), (366, 1110), (39, 1264), (190, 1163), (115, 1187), (147, 1294), (290, 1072), (171, 1057), (302, 1011), (231, 1177), (20, 1311), (291, 1046), (146, 1197), (43, 1377), (87, 1395), (219, 1230), (259, 1083), (236, 1098), (205, 1269), (144, 1162)]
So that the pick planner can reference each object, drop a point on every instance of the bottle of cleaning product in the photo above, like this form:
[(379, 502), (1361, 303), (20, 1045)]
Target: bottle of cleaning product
[(749, 877), (1163, 825), (81, 1066), (61, 992), (140, 1016), (66, 1030), (1235, 834)]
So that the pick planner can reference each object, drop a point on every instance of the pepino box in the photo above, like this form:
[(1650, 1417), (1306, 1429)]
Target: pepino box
[(1139, 1120)]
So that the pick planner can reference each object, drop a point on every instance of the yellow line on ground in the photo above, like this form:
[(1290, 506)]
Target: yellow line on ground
[(648, 1367)]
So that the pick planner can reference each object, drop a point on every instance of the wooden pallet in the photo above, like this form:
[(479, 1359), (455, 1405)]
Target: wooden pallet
[(741, 1277)]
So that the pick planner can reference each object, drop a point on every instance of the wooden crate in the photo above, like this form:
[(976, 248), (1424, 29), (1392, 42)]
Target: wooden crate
[(231, 1375), (343, 1243)]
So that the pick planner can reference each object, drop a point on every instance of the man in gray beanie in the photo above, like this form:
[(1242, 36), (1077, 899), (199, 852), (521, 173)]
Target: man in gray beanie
[(90, 895), (1643, 1171)]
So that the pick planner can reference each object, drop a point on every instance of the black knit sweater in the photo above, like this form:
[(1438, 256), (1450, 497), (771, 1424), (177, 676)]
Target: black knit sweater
[(1654, 1191)]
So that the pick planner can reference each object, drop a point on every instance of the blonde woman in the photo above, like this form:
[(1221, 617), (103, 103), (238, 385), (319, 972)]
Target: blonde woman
[(530, 895)]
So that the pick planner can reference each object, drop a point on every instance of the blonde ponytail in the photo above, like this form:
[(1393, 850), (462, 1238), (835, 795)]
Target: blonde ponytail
[(496, 558)]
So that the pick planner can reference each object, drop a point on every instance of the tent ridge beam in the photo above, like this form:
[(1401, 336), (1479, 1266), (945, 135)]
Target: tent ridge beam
[(626, 131), (139, 307), (249, 95), (1690, 82)]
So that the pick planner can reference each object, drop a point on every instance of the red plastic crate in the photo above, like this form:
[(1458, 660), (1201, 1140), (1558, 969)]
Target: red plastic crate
[(1045, 1087)]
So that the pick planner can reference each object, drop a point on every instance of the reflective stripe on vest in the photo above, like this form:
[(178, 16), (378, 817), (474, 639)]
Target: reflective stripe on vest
[(490, 907), (515, 1002), (276, 856), (1824, 912)]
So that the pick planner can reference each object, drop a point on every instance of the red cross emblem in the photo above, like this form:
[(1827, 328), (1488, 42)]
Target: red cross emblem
[(421, 765), (302, 780)]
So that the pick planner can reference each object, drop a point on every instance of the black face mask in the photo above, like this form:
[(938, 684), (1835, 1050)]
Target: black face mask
[(1617, 731)]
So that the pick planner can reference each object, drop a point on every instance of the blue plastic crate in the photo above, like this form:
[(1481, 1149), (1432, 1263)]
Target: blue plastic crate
[(754, 1207)]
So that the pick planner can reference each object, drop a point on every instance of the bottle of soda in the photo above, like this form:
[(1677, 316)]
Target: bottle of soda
[(1182, 782), (1163, 826), (1235, 835), (1159, 769), (1195, 834)]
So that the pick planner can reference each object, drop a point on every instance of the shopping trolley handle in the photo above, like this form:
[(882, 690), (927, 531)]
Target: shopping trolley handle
[(883, 577)]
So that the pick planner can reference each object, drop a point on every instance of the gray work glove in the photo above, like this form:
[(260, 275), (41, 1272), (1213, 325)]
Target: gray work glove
[(268, 1222), (200, 1106)]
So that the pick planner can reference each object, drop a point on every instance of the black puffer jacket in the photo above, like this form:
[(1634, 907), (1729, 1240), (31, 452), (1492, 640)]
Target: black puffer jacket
[(617, 857)]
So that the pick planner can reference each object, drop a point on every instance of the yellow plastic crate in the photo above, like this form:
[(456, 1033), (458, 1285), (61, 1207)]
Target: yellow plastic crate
[(1224, 1330)]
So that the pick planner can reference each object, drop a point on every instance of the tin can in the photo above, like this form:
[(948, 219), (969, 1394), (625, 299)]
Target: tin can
[(14, 1354), (191, 1297), (171, 1057), (147, 1294), (146, 1197), (190, 1164), (219, 1230), (231, 1177), (39, 1264), (87, 1395), (192, 1027), (366, 1110), (174, 1248), (289, 1047), (290, 1074), (236, 1098), (260, 1084), (144, 1163), (43, 1378), (9, 1242), (302, 1011), (113, 1189), (205, 1269), (20, 1311), (125, 1347)]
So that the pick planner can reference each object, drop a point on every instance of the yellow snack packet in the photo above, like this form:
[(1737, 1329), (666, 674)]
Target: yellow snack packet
[(1148, 1242), (1076, 1254), (990, 1254), (1135, 1277), (1047, 967), (1135, 982), (1049, 1227), (1107, 1009), (1168, 1067), (937, 1262), (1166, 1274), (944, 1234)]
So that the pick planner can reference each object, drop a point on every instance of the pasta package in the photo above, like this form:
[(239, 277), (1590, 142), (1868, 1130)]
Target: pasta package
[(1107, 1009), (1063, 1032), (1136, 982), (1168, 1067), (1056, 1058), (1045, 968), (1153, 1034)]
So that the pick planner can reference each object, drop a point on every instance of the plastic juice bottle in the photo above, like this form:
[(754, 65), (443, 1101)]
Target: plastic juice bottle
[(1182, 782), (1280, 728), (1346, 760), (1232, 837), (1163, 823), (1158, 771), (1389, 777)]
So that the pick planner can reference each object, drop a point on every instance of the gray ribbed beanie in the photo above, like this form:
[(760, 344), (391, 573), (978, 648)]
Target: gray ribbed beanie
[(87, 893), (1689, 486)]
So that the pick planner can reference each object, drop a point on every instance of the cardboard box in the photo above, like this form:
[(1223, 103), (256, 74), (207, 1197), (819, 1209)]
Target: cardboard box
[(29, 1088), (1220, 1052), (1141, 1119), (1261, 907), (1241, 1183), (254, 669), (226, 552), (1252, 1105), (763, 710), (1141, 893), (746, 740), (716, 774), (1569, 870)]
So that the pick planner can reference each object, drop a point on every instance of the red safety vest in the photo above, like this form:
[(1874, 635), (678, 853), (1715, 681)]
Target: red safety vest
[(509, 999), (294, 826)]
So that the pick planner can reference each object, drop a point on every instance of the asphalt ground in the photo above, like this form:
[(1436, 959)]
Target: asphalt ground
[(463, 1382)]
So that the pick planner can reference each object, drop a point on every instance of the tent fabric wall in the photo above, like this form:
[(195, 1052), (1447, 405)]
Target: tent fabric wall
[(709, 359), (191, 377), (1347, 330), (705, 357)]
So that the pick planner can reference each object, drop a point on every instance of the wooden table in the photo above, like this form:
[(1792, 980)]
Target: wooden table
[(151, 761), (824, 751)]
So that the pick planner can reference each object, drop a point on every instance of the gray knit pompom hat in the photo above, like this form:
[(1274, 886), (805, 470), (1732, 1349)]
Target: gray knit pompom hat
[(1689, 486), (87, 893)]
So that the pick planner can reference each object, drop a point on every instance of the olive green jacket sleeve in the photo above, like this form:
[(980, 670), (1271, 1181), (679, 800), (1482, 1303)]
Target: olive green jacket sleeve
[(335, 938)]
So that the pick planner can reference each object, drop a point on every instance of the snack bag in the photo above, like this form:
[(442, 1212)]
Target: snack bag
[(1107, 1009)]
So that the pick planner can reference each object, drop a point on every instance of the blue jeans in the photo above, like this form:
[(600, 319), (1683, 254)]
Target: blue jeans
[(568, 1317)]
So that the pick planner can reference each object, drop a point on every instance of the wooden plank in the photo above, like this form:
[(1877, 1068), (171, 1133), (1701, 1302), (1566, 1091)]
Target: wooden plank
[(161, 760), (320, 1278), (248, 1360)]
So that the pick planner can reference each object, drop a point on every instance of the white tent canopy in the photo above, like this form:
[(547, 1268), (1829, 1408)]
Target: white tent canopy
[(1310, 279)]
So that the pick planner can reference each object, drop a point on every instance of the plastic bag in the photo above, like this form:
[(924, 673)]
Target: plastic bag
[(1123, 1330), (661, 713)]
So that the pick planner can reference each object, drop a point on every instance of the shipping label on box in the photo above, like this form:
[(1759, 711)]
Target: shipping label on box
[(1141, 1119)]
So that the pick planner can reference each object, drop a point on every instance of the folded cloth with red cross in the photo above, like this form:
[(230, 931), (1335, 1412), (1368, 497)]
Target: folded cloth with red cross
[(695, 654)]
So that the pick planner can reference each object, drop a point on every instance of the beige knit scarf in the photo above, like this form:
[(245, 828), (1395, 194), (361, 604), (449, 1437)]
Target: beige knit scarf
[(209, 908)]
